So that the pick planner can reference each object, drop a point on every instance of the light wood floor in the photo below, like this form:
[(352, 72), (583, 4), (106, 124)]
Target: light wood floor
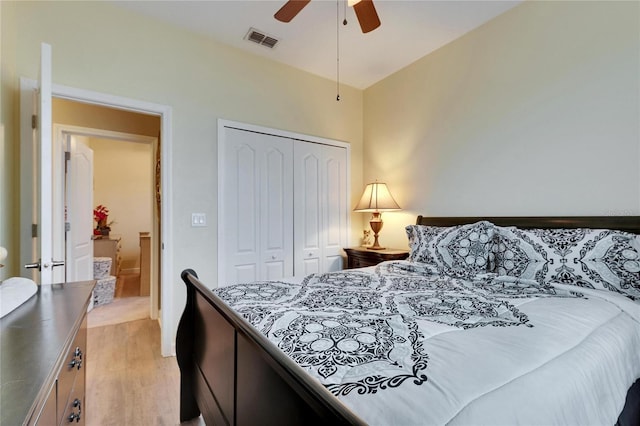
[(120, 310), (128, 381)]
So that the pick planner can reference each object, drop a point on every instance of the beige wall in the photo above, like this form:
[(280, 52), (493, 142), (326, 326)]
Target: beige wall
[(534, 113), (104, 118), (123, 182), (101, 48), (9, 196)]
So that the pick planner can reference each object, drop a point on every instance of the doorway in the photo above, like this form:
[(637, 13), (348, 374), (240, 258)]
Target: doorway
[(123, 181), (161, 112)]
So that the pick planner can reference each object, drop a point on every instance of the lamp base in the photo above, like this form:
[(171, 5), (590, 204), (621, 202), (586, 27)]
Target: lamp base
[(376, 226)]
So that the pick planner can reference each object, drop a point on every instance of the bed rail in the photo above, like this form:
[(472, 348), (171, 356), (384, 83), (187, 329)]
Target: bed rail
[(234, 375)]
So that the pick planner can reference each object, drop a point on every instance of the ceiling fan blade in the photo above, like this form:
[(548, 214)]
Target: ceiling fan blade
[(290, 9), (367, 15)]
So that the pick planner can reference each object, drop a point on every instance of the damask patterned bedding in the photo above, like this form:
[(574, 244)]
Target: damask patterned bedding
[(406, 343)]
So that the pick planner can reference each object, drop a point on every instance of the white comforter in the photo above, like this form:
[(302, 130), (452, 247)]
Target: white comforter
[(400, 345)]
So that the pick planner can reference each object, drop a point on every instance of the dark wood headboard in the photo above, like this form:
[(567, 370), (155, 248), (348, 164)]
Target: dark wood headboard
[(621, 223)]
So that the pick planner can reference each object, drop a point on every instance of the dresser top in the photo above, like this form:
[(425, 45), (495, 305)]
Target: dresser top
[(33, 339)]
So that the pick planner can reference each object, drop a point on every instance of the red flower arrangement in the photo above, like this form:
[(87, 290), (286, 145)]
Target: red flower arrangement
[(100, 215)]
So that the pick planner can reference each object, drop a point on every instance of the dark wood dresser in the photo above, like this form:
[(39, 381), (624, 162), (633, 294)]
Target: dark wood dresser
[(42, 346), (359, 257)]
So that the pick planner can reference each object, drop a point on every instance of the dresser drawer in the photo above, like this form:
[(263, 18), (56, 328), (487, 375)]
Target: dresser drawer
[(361, 262), (72, 372), (75, 409)]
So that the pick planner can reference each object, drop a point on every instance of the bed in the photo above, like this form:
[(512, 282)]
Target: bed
[(477, 337)]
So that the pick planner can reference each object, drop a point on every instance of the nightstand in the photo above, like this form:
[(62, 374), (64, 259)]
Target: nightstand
[(359, 257)]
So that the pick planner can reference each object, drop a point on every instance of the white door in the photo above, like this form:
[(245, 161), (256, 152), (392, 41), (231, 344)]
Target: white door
[(79, 205), (334, 201), (37, 174), (320, 207), (256, 239), (307, 208)]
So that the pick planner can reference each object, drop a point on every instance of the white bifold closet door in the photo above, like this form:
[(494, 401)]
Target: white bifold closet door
[(320, 207), (258, 207), (283, 206)]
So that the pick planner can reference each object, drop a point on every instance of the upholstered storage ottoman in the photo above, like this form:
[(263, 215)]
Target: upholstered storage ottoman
[(104, 290), (101, 267)]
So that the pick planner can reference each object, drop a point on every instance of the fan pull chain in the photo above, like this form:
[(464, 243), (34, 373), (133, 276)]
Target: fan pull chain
[(338, 50), (344, 21)]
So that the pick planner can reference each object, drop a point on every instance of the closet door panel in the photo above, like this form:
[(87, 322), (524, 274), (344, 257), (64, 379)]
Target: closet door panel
[(257, 205), (334, 207), (307, 208), (246, 273), (241, 201), (320, 204), (277, 210), (309, 266), (245, 207)]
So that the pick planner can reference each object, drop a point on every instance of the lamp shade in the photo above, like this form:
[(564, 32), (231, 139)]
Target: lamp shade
[(376, 198)]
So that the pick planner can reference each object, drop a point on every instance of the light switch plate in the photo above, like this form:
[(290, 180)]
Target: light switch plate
[(198, 219)]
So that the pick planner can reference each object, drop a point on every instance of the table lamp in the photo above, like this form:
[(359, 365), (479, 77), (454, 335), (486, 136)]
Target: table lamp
[(375, 199)]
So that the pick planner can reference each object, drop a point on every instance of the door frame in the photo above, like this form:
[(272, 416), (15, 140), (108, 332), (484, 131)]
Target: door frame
[(61, 133), (27, 88)]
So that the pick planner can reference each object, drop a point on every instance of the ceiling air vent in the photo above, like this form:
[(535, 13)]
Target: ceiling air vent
[(261, 38)]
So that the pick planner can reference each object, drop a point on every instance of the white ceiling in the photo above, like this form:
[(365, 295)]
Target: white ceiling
[(409, 30)]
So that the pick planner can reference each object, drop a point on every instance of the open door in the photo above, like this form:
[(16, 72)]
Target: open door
[(78, 211), (38, 187)]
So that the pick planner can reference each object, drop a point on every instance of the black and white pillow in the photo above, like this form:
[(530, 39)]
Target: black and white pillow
[(460, 251), (517, 253), (592, 258)]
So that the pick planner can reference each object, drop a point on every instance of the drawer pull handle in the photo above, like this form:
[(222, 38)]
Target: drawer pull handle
[(75, 416), (77, 359)]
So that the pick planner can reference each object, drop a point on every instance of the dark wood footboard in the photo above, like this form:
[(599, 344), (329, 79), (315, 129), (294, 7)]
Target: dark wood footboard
[(233, 375)]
